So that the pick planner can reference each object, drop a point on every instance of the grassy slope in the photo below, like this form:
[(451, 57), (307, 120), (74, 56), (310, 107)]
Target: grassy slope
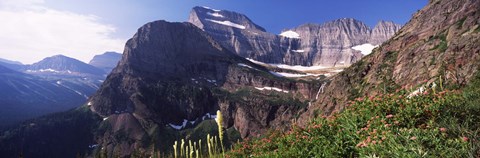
[(438, 123)]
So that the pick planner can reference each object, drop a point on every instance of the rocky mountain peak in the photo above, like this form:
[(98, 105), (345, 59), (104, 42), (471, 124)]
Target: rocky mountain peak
[(163, 54), (329, 44), (159, 46), (106, 61), (382, 31), (63, 64), (208, 18)]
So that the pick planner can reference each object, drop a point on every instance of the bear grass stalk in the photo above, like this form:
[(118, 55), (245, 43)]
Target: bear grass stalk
[(220, 129), (175, 149), (191, 149)]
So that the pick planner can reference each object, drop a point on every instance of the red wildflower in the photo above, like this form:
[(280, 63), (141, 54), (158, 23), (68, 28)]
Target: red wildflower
[(443, 129)]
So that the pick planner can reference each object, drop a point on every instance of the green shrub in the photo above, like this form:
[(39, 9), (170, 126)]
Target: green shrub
[(443, 124)]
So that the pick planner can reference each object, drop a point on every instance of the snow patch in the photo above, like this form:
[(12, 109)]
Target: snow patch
[(227, 23), (211, 8), (89, 103), (254, 61), (299, 67), (215, 14), (284, 74), (92, 146), (293, 67), (105, 118), (271, 88), (298, 51), (365, 48), (290, 34), (337, 71), (49, 70), (59, 82), (245, 65), (185, 121), (179, 127)]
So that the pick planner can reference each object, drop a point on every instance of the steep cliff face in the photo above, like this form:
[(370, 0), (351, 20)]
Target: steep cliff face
[(328, 44), (240, 35), (439, 44), (383, 31), (171, 73)]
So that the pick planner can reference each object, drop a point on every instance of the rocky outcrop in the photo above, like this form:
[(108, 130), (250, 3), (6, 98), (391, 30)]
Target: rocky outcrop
[(439, 44), (328, 44)]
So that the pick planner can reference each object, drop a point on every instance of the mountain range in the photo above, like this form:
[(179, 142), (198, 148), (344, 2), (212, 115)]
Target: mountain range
[(337, 43), (173, 76), (54, 84)]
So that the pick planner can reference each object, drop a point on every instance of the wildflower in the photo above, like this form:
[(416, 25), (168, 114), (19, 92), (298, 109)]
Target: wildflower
[(413, 138), (465, 139), (389, 116), (219, 121), (443, 129)]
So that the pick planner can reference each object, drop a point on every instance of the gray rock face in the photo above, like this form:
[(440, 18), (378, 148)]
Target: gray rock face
[(106, 61), (246, 38), (383, 31), (328, 44)]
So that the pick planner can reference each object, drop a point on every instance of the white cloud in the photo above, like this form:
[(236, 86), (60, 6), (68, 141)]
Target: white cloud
[(30, 32)]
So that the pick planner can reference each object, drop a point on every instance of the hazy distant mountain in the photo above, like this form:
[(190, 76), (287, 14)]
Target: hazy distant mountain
[(10, 62), (14, 65), (60, 64), (53, 84), (72, 73), (106, 61), (25, 96)]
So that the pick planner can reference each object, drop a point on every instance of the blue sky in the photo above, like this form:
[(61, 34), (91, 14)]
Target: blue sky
[(273, 15), (35, 29)]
